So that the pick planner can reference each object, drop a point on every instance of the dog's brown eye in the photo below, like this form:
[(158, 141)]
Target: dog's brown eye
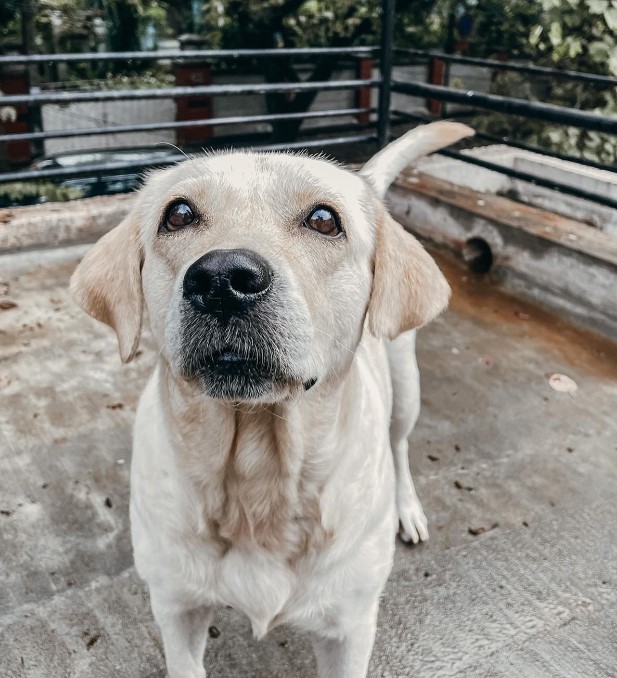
[(178, 216), (324, 221)]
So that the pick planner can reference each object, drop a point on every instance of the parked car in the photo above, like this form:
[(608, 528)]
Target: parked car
[(96, 179)]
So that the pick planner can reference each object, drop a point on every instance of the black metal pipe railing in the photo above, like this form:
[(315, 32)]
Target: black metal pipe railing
[(98, 170), (386, 84), (184, 54), (180, 92), (494, 138), (512, 66), (387, 61), (532, 178), (493, 102), (161, 126)]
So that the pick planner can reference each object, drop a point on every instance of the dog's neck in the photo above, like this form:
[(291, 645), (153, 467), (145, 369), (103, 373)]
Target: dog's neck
[(259, 470)]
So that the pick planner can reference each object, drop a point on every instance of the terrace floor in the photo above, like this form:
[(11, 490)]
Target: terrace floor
[(535, 595)]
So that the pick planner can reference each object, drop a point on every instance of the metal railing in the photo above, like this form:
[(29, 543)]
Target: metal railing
[(376, 121), (186, 92)]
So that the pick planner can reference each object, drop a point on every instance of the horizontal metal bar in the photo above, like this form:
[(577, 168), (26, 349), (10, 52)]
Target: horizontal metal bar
[(317, 143), (513, 66), (184, 54), (95, 170), (492, 102), (92, 170), (174, 92), (157, 126), (513, 144), (545, 151), (532, 178)]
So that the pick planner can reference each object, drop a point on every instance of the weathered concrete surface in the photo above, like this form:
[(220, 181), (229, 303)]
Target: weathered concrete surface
[(559, 262), (601, 182), (535, 596), (43, 226)]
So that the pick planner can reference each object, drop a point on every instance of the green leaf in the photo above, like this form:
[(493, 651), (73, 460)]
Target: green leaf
[(610, 16), (598, 51), (534, 36), (555, 35), (575, 47), (597, 6)]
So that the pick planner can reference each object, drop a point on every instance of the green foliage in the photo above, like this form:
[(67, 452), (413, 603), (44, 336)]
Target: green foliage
[(502, 27), (579, 35), (8, 15), (32, 193)]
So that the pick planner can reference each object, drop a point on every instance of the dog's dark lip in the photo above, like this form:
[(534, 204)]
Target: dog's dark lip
[(229, 356), (230, 362)]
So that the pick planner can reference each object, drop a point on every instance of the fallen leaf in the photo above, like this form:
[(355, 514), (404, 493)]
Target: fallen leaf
[(481, 529), (432, 457), (6, 305), (115, 406), (562, 383), (460, 486), (92, 640)]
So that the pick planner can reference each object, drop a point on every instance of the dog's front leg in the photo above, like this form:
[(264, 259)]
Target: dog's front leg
[(347, 655), (185, 633), (405, 410)]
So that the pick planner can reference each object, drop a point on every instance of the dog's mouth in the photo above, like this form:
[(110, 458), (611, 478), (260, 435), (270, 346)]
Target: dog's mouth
[(254, 358), (231, 363), (231, 374)]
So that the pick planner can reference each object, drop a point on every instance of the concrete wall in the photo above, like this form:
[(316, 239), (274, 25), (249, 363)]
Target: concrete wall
[(106, 114), (558, 262), (600, 182)]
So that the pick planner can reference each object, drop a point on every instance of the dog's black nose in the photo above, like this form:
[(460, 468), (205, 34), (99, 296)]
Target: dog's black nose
[(227, 282)]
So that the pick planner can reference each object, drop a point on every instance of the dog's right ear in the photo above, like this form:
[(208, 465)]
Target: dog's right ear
[(107, 284)]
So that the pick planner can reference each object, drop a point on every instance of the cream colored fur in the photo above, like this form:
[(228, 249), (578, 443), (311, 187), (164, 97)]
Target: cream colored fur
[(284, 507)]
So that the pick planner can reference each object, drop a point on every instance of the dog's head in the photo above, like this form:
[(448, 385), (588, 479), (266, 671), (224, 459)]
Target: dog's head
[(258, 272)]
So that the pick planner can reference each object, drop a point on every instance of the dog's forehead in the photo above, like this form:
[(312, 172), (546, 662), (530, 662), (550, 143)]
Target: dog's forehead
[(262, 174)]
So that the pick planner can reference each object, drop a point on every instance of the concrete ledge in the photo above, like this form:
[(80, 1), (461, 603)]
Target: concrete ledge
[(558, 262), (53, 224)]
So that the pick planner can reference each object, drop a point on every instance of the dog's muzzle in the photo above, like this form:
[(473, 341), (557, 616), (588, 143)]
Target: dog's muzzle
[(230, 340), (227, 283)]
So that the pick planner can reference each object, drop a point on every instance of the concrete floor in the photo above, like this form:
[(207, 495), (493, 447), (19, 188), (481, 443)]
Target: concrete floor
[(535, 596)]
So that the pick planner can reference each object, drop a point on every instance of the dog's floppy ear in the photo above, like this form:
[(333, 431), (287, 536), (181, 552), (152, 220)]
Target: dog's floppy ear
[(107, 284), (409, 290)]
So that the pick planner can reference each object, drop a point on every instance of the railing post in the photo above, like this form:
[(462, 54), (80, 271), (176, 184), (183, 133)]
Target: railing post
[(387, 37), (436, 76), (14, 80), (192, 73), (364, 71)]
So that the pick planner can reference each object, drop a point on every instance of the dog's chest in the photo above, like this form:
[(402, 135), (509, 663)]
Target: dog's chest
[(257, 518), (251, 582)]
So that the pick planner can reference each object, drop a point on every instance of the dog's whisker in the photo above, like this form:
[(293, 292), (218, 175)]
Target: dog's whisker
[(340, 343)]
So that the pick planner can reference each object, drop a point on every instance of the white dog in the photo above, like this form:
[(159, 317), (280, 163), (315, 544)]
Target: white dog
[(265, 472)]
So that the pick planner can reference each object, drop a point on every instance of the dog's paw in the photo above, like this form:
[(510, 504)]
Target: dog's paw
[(413, 523)]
